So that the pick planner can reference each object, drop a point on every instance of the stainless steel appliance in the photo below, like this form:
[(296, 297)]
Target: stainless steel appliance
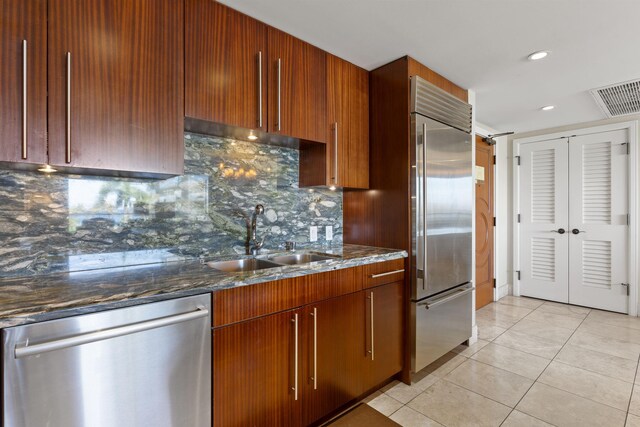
[(147, 365), (442, 200)]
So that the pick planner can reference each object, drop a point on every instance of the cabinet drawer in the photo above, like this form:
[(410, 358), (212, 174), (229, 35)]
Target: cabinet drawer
[(383, 272), (248, 302)]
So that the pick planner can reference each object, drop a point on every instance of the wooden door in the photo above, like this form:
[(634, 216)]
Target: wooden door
[(333, 348), (338, 107), (484, 223), (23, 51), (383, 333), (226, 73), (122, 63), (598, 222), (254, 372), (297, 88), (348, 123), (357, 171), (543, 204)]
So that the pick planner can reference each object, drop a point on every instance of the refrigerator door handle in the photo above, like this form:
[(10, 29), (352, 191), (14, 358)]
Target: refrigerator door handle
[(424, 204), (446, 298)]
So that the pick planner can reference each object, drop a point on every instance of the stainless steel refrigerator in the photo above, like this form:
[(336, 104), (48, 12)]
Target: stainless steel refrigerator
[(441, 201)]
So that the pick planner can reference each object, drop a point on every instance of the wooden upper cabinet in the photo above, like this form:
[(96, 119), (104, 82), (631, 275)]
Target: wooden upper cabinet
[(348, 121), (226, 73), (116, 83), (23, 52), (297, 88)]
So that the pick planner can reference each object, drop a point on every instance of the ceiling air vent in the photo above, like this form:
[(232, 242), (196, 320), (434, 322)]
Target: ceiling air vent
[(619, 99)]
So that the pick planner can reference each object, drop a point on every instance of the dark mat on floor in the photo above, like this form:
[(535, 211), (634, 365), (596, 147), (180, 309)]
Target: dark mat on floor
[(363, 415)]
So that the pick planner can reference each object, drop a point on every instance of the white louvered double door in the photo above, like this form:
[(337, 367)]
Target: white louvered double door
[(573, 205)]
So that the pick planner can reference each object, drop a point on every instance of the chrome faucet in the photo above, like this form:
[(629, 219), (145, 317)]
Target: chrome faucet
[(251, 243), (256, 246)]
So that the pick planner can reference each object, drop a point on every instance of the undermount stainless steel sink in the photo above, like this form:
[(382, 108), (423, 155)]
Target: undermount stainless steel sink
[(238, 265), (302, 258)]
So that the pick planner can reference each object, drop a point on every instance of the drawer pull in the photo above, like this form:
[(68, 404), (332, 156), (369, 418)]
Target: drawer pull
[(388, 273)]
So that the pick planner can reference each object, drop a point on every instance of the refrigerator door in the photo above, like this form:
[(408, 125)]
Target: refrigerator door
[(441, 324), (442, 201)]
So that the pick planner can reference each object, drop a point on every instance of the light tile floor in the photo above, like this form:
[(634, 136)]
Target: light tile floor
[(536, 363)]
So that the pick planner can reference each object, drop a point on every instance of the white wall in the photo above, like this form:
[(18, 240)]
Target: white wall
[(508, 194)]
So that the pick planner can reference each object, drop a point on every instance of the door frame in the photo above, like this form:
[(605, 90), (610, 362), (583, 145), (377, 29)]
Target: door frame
[(481, 130), (496, 297), (634, 239)]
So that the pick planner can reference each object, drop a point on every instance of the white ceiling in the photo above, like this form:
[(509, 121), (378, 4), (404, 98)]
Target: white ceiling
[(482, 45)]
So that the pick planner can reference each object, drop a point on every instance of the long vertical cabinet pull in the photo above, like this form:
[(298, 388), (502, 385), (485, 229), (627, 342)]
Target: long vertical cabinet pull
[(260, 89), (279, 98), (335, 153), (424, 204), (372, 351), (24, 99), (295, 356), (68, 140), (315, 348)]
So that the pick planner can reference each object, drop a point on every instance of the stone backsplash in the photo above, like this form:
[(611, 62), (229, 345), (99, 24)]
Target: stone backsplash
[(59, 222)]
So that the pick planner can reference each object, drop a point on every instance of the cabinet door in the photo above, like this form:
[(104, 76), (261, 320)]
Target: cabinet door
[(333, 358), (254, 372), (297, 88), (384, 331), (348, 121), (23, 103), (357, 150), (226, 76), (116, 85)]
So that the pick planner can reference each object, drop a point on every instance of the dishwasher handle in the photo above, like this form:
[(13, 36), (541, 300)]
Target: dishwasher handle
[(25, 350), (436, 302)]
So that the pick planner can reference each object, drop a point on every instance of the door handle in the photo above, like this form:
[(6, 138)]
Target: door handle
[(25, 100), (295, 356), (576, 231), (559, 231), (335, 153), (315, 348), (260, 89), (279, 97), (30, 350), (68, 124), (434, 303)]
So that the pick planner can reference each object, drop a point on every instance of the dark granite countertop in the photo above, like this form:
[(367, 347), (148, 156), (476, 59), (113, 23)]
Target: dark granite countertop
[(45, 297)]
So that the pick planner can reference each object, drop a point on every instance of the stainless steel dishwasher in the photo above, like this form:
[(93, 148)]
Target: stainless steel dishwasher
[(146, 365)]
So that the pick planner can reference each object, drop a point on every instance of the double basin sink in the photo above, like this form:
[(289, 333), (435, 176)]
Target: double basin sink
[(253, 264)]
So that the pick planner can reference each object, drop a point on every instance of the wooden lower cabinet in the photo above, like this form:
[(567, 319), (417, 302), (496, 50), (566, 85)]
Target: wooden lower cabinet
[(254, 372), (324, 350), (383, 333), (334, 354)]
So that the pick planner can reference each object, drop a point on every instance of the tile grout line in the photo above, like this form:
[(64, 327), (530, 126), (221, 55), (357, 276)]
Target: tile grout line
[(633, 389), (544, 370)]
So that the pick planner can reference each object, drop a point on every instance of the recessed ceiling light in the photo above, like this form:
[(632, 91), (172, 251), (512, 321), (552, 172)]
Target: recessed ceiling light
[(548, 108), (538, 55)]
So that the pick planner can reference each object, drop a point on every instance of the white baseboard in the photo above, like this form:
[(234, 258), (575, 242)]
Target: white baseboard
[(503, 291)]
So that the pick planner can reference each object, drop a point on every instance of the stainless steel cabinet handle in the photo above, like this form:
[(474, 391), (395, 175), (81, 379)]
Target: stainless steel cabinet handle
[(372, 351), (295, 356), (260, 89), (279, 97), (447, 298), (24, 99), (315, 348), (30, 350), (388, 273), (335, 153), (424, 202), (68, 141)]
